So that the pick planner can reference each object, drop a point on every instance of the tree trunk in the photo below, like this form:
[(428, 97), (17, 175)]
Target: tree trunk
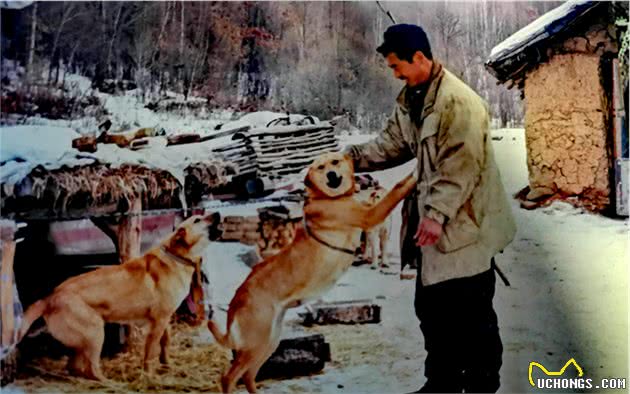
[(111, 41), (31, 49), (180, 70)]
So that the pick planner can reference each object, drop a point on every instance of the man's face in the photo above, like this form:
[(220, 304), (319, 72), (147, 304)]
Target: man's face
[(413, 73)]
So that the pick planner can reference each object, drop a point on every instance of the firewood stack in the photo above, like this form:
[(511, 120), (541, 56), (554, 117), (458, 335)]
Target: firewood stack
[(241, 154), (285, 150), (203, 178), (242, 229), (277, 151), (277, 228)]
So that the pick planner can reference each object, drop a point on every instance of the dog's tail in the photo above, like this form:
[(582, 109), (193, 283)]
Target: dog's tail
[(34, 312), (222, 339)]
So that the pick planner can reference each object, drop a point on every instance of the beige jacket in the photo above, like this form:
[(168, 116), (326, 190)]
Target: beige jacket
[(459, 183)]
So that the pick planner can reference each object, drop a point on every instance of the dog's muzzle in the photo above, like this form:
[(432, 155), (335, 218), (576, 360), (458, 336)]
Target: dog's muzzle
[(334, 180)]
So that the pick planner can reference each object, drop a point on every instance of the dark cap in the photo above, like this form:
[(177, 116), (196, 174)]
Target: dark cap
[(404, 40)]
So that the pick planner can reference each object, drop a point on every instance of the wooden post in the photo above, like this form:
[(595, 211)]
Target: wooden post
[(129, 232), (7, 232)]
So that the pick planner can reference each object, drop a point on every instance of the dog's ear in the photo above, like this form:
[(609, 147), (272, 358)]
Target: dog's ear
[(307, 180), (179, 239), (350, 160)]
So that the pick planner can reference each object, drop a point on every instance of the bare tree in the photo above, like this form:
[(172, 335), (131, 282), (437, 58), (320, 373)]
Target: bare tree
[(110, 47), (31, 49), (68, 13)]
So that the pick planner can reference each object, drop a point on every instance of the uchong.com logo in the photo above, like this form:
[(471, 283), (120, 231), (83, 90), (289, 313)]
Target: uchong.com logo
[(555, 380)]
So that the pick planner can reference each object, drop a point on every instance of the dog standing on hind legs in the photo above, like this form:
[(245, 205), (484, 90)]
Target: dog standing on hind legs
[(147, 289), (322, 250)]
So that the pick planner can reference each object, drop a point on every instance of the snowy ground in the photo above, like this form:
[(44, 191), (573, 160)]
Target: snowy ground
[(569, 293), (569, 298)]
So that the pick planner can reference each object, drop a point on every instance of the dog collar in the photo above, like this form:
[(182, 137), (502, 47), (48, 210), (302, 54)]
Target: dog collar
[(321, 241), (179, 259)]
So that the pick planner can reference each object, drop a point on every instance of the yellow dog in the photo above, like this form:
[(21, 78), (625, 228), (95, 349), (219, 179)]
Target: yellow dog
[(322, 250), (147, 289)]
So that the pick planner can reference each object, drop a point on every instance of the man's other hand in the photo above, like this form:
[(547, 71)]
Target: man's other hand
[(429, 232)]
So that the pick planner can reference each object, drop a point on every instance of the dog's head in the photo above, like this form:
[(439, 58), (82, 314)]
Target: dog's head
[(195, 232), (331, 175)]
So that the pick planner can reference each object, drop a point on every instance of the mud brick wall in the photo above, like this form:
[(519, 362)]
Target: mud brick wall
[(566, 130)]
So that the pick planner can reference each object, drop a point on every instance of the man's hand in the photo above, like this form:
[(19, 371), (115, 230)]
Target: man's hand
[(429, 232)]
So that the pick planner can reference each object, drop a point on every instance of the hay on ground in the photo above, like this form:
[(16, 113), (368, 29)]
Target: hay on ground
[(195, 366)]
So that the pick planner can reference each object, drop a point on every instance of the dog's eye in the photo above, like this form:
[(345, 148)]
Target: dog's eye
[(320, 167), (197, 220), (335, 162)]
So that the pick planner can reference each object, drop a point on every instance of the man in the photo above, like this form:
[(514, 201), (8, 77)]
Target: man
[(462, 215)]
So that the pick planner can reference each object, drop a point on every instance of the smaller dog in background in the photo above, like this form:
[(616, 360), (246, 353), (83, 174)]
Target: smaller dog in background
[(376, 238)]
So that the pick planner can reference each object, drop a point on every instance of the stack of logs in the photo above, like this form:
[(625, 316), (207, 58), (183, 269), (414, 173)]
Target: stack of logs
[(276, 228), (242, 229), (273, 229)]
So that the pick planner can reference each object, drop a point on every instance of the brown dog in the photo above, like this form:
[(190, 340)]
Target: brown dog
[(146, 289), (322, 250)]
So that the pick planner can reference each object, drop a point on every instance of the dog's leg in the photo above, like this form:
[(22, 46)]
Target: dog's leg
[(265, 350), (373, 247), (77, 364), (152, 346), (164, 342), (75, 324), (383, 235), (241, 363)]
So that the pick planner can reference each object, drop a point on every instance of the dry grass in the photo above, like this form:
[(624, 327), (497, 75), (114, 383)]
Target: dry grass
[(194, 366)]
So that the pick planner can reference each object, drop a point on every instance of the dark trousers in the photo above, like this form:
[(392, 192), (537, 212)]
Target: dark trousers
[(461, 334)]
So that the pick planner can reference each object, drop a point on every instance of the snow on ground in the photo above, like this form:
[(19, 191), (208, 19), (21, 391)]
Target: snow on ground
[(568, 298)]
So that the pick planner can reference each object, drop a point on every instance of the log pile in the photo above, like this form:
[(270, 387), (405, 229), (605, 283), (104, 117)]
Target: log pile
[(278, 151), (202, 178), (242, 155), (297, 356), (343, 312), (242, 229)]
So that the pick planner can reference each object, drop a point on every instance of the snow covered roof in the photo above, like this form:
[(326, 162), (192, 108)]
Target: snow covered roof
[(508, 57), (15, 4)]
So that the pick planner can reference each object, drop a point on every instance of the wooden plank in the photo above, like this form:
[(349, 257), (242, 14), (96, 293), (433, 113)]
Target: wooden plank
[(230, 147), (130, 232), (301, 147), (309, 148), (6, 293), (225, 133), (285, 156), (275, 140), (287, 130), (345, 312), (181, 139), (85, 144)]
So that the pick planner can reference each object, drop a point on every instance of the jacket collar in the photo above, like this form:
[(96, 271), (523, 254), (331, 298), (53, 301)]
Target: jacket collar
[(437, 73)]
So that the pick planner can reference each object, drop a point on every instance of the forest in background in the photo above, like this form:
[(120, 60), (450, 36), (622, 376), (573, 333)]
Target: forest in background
[(317, 58)]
